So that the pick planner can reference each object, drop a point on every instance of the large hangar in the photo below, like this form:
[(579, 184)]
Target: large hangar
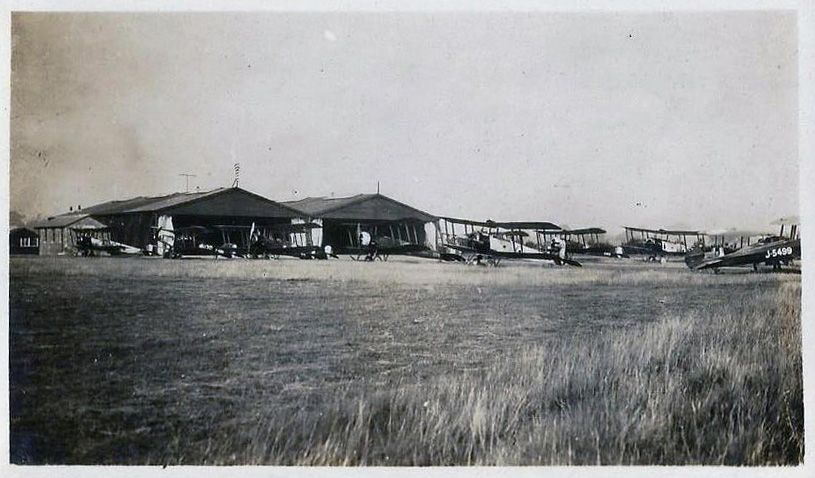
[(227, 213), (344, 220)]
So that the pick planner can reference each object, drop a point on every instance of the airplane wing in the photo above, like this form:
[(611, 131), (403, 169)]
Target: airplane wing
[(463, 248), (584, 231), (536, 255), (542, 225), (293, 251), (387, 250), (187, 230), (537, 225), (518, 255), (672, 232)]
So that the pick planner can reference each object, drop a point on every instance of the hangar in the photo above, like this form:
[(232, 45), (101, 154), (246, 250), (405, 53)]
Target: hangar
[(227, 213), (344, 219)]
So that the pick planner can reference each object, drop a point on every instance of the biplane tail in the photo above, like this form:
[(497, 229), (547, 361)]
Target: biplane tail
[(695, 258)]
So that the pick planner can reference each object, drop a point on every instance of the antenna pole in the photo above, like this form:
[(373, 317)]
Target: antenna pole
[(377, 187), (187, 180), (237, 168)]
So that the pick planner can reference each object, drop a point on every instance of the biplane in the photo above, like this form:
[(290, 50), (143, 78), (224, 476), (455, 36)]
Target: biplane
[(371, 241), (731, 240), (586, 241), (87, 245), (493, 241), (657, 243), (238, 241), (382, 247), (193, 241), (772, 250), (292, 240)]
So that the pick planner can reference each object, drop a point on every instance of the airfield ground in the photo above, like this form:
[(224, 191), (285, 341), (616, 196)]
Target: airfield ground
[(409, 362)]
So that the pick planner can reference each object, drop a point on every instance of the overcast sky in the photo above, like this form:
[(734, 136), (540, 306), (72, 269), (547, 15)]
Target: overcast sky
[(657, 120)]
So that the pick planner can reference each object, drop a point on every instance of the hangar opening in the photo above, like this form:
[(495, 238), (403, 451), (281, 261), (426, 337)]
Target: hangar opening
[(349, 223)]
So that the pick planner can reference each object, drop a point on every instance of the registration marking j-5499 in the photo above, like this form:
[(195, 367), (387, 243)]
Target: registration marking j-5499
[(778, 252)]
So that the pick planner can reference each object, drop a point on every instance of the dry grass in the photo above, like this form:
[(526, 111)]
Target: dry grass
[(401, 363), (398, 270), (723, 387)]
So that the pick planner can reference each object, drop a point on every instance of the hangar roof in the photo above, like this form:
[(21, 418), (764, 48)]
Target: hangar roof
[(362, 207), (145, 204), (66, 220), (217, 202)]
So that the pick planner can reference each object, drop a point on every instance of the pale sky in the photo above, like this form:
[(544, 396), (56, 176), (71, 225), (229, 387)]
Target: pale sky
[(655, 120)]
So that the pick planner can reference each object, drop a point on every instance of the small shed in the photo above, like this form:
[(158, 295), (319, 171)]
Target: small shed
[(343, 219), (23, 241), (58, 234)]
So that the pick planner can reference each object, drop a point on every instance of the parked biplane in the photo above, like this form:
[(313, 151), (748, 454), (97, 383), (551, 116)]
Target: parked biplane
[(292, 240), (87, 245), (731, 240), (492, 241), (584, 241), (193, 241), (772, 250), (373, 241), (381, 248), (232, 241), (658, 243)]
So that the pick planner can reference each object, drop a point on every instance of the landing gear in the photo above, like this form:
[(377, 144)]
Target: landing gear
[(483, 260)]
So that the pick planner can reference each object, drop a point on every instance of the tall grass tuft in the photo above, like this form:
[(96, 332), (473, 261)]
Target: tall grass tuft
[(722, 386)]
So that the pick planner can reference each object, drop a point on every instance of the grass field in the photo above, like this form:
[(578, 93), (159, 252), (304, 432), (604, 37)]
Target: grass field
[(141, 361)]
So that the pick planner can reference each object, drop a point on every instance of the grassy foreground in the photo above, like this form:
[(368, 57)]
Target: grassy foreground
[(719, 387), (401, 363)]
